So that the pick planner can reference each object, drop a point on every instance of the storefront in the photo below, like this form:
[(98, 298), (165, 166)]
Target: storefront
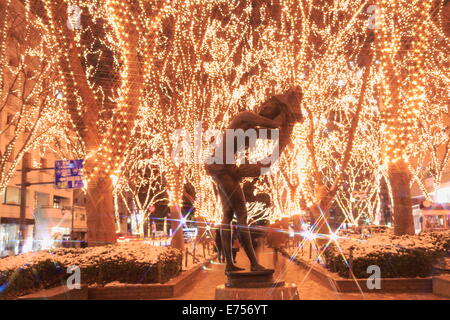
[(53, 225), (10, 235), (434, 220)]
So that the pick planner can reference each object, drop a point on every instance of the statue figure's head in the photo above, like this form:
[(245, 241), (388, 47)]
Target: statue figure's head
[(292, 98), (290, 104)]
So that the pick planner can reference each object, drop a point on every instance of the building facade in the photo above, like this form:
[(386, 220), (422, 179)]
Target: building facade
[(52, 215)]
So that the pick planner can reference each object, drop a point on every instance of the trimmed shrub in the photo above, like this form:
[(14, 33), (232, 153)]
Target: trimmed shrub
[(126, 263), (397, 257)]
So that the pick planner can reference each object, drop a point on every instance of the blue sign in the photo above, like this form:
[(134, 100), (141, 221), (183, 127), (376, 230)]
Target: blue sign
[(69, 174)]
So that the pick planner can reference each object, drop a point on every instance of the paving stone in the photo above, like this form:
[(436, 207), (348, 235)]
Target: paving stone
[(310, 288)]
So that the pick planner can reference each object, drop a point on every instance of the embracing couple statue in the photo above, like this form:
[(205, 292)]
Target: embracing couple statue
[(281, 112)]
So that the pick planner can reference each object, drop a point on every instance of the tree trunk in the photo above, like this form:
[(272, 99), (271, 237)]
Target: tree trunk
[(324, 197), (177, 228), (100, 212), (99, 205), (320, 214), (399, 178)]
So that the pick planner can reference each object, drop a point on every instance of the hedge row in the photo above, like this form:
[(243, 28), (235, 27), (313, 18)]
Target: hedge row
[(397, 257), (126, 263)]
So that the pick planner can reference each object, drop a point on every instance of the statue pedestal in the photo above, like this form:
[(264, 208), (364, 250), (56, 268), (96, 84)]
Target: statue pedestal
[(286, 292), (255, 285)]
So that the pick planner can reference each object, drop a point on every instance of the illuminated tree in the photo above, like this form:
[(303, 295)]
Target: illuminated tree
[(431, 149), (337, 82), (410, 57), (143, 81), (258, 212), (140, 186), (99, 66), (202, 74), (34, 115)]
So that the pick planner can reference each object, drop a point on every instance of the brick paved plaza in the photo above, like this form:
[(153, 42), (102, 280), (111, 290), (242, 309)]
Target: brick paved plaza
[(310, 288)]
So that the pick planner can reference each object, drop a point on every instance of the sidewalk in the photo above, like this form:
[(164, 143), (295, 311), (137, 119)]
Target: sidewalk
[(309, 287)]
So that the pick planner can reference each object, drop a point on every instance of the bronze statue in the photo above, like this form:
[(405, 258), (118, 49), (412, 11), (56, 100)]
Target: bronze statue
[(279, 112)]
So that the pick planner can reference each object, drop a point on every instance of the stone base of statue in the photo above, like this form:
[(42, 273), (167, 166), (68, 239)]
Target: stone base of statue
[(255, 285)]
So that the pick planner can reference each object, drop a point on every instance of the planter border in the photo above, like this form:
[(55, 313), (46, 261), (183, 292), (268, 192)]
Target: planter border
[(149, 291), (441, 286), (58, 293), (338, 284)]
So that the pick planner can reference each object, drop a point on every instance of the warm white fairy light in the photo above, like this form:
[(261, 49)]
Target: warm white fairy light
[(176, 63), (30, 84)]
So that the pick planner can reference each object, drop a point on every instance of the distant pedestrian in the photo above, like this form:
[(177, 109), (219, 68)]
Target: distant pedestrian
[(276, 239), (153, 228), (218, 240)]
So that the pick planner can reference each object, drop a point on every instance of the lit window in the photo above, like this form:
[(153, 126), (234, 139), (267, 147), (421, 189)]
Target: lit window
[(443, 195), (56, 202), (12, 196)]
